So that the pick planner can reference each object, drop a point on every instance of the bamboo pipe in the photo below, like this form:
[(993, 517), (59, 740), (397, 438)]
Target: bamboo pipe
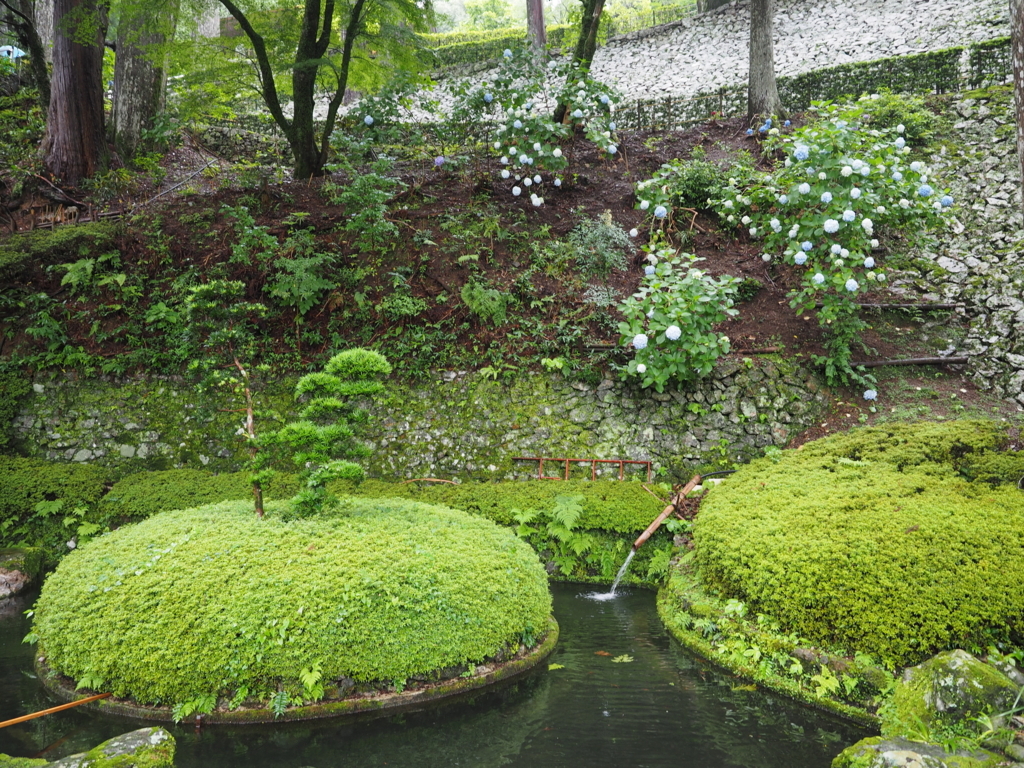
[(694, 482), (51, 710)]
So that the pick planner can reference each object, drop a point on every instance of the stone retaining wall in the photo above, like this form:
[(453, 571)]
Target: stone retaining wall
[(456, 425)]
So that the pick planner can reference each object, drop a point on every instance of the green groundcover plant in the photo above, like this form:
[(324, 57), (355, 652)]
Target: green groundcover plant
[(897, 541), (212, 604)]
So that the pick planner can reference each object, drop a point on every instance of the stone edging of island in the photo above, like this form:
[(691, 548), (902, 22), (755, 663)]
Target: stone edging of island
[(383, 703)]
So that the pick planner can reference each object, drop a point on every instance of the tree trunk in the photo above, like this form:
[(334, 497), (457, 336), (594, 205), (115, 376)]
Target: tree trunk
[(586, 45), (44, 26), (762, 92), (1017, 56), (74, 146), (535, 30), (20, 16), (138, 82)]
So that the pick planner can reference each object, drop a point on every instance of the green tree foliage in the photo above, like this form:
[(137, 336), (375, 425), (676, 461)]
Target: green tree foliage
[(490, 14), (384, 591), (322, 441), (324, 48)]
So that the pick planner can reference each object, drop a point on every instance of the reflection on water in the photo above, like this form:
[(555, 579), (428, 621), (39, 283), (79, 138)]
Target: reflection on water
[(626, 695)]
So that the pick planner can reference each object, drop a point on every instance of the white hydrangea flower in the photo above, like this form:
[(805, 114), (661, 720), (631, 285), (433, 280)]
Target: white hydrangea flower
[(634, 232), (641, 368), (645, 204), (847, 171), (556, 152), (855, 193), (672, 333), (874, 243), (880, 209), (804, 189)]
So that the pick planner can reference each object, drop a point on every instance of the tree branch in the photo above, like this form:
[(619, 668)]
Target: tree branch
[(351, 32), (269, 91)]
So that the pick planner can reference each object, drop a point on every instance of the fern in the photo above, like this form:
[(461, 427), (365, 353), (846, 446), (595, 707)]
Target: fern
[(488, 304), (90, 680), (312, 685), (279, 703)]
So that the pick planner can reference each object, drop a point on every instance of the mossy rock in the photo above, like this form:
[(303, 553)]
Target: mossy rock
[(6, 761), (144, 748), (19, 569), (899, 541), (208, 606), (20, 254), (880, 752), (950, 689)]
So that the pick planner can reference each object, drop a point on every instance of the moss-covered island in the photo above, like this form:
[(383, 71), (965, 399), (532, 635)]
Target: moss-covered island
[(213, 611)]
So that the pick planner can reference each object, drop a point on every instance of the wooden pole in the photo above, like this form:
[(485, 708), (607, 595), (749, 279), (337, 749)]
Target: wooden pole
[(694, 481), (911, 361), (51, 710)]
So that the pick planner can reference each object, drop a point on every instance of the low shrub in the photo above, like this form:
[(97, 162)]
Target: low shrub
[(898, 541), (142, 495), (197, 605), (619, 507), (45, 504)]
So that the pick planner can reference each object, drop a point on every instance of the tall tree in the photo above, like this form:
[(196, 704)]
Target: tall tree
[(21, 17), (1017, 56), (139, 71), (535, 30), (762, 91), (333, 37), (586, 44), (74, 146)]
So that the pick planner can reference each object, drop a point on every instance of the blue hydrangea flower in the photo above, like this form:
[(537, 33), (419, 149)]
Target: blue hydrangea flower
[(849, 215), (855, 193), (537, 179), (901, 143), (826, 197), (807, 245), (488, 97), (783, 199), (786, 124), (818, 278), (946, 201), (523, 158), (924, 191), (517, 191), (604, 98), (640, 341), (578, 113), (831, 226), (802, 152), (660, 212), (648, 270), (804, 189), (558, 182), (611, 126), (612, 149), (672, 333), (897, 176), (870, 394), (852, 285), (869, 263), (750, 131), (505, 174), (507, 53), (439, 161), (517, 124), (368, 120), (836, 249), (800, 258)]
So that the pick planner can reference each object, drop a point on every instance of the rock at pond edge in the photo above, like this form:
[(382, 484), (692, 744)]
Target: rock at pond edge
[(144, 748), (898, 752), (19, 569)]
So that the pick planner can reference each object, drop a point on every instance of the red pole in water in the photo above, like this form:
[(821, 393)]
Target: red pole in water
[(51, 710), (694, 482)]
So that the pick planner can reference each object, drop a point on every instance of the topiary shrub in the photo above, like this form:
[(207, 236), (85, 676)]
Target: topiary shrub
[(898, 541), (141, 495), (45, 504), (195, 606)]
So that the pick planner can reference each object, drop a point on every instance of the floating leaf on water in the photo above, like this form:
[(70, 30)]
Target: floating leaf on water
[(601, 653), (556, 666), (623, 659), (750, 687)]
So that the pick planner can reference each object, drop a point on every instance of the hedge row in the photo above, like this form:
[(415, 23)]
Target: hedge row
[(490, 45), (213, 603), (898, 541)]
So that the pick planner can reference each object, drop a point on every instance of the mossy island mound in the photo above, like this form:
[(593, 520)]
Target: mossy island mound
[(898, 541), (212, 609)]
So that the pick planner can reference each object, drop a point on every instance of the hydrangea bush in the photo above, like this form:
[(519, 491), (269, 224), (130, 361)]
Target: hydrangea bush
[(841, 183), (670, 320), (526, 138)]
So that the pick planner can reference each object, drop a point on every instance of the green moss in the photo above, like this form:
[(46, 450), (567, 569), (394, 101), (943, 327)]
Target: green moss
[(20, 254), (871, 753), (27, 560), (37, 498), (946, 693), (13, 387), (144, 748), (898, 541), (6, 761), (214, 602)]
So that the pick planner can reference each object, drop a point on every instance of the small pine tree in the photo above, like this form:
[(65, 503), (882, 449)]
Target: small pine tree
[(322, 442)]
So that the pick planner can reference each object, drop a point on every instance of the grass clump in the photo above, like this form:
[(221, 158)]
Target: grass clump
[(198, 606), (896, 541)]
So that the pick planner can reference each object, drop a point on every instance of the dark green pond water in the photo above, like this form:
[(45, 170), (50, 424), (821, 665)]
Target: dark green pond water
[(663, 708)]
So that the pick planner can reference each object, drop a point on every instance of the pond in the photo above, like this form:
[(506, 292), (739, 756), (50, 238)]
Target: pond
[(626, 695)]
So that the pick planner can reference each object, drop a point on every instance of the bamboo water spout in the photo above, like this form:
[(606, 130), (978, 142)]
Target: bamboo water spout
[(673, 503)]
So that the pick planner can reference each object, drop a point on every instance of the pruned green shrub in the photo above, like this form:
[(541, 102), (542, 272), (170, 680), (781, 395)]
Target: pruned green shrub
[(619, 507), (212, 602), (898, 541), (144, 494), (43, 504)]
